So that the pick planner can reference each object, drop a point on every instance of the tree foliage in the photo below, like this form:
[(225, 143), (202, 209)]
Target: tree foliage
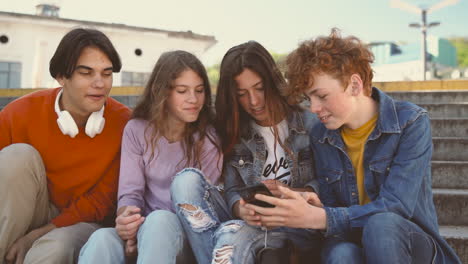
[(213, 75), (213, 70)]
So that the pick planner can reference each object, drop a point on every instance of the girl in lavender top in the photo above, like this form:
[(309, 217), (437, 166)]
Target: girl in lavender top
[(170, 130)]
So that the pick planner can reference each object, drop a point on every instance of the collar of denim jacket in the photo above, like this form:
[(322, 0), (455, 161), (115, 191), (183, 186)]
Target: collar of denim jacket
[(388, 116), (295, 123)]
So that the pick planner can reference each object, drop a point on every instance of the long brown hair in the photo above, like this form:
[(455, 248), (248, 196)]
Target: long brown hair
[(232, 121), (153, 108)]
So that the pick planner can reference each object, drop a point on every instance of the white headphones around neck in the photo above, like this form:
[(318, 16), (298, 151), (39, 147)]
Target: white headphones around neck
[(67, 125)]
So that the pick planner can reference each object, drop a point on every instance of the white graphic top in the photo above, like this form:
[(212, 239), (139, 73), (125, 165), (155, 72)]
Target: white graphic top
[(276, 166)]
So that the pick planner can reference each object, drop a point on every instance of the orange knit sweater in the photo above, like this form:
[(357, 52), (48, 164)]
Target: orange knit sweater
[(82, 172)]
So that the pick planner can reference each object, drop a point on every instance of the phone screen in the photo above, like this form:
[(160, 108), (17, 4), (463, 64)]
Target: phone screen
[(248, 194)]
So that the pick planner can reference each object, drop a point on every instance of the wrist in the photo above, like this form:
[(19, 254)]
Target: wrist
[(39, 232), (121, 210), (321, 219), (317, 218)]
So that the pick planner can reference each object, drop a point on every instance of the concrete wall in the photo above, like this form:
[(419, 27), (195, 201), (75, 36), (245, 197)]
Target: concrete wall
[(33, 41)]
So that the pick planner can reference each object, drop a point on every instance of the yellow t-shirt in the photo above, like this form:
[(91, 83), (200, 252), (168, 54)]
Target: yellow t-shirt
[(355, 140)]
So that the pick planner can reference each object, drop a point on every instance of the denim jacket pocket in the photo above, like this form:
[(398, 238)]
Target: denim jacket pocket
[(333, 179), (244, 166), (380, 169), (241, 161)]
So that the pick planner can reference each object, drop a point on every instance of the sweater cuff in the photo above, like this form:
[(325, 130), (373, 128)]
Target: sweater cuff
[(130, 202), (231, 201)]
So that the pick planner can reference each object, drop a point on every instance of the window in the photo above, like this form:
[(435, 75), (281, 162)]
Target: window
[(134, 78), (47, 10), (10, 74)]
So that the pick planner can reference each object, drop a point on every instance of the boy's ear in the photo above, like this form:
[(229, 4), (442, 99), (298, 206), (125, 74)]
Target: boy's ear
[(61, 80), (356, 84)]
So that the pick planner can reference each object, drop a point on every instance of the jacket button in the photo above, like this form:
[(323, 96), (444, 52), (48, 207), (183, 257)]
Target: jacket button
[(326, 178), (241, 162), (353, 194)]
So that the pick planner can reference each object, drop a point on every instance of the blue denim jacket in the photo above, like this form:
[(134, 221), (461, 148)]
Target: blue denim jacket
[(245, 164), (397, 168)]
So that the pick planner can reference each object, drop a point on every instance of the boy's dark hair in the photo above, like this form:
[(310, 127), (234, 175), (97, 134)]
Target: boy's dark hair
[(63, 62)]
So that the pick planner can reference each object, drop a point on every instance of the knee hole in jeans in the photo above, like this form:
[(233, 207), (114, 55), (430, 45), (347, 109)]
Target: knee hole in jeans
[(230, 227), (223, 255), (198, 219)]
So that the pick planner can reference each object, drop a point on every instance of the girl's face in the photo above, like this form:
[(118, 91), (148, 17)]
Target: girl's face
[(186, 98), (251, 96)]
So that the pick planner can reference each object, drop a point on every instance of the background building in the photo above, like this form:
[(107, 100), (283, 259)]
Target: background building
[(394, 62), (27, 42)]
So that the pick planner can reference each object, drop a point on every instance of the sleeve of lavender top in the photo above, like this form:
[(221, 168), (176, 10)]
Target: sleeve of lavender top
[(132, 176), (211, 158)]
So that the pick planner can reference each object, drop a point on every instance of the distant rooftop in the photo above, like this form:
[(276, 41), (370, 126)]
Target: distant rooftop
[(177, 34)]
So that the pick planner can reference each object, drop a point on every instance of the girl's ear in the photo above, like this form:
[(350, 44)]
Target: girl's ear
[(356, 84)]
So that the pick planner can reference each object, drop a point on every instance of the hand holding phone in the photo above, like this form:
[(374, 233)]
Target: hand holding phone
[(248, 194)]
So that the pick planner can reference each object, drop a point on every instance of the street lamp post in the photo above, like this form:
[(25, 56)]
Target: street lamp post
[(424, 26)]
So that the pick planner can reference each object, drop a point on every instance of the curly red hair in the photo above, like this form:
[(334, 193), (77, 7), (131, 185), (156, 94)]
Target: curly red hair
[(333, 55)]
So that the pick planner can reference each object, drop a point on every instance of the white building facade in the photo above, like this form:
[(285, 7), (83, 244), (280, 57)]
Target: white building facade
[(28, 42)]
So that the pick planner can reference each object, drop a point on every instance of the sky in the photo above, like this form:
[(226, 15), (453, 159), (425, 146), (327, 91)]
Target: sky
[(279, 25)]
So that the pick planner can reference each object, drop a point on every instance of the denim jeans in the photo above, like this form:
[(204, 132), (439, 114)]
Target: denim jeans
[(160, 239), (212, 233), (386, 238)]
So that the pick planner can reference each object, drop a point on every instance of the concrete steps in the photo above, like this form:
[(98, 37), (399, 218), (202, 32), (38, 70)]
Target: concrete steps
[(450, 148), (450, 174), (457, 237), (449, 127), (451, 206), (448, 111), (431, 96)]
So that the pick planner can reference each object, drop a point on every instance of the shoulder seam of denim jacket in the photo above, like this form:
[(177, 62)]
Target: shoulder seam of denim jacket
[(416, 111), (296, 122)]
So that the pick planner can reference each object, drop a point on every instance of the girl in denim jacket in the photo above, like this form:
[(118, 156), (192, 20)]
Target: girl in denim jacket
[(264, 139)]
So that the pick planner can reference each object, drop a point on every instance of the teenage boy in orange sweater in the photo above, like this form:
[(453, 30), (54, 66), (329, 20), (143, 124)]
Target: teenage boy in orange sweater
[(60, 154)]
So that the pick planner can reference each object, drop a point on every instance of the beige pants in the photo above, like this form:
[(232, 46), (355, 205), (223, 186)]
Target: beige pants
[(25, 205)]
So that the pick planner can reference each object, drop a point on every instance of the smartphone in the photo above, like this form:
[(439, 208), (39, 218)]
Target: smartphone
[(248, 194)]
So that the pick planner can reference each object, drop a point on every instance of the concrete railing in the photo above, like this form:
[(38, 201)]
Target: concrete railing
[(439, 85)]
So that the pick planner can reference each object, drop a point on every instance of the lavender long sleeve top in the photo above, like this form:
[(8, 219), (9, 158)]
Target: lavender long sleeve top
[(146, 184)]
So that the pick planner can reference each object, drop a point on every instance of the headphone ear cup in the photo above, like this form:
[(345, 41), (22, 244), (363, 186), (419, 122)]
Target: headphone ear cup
[(66, 124), (95, 124)]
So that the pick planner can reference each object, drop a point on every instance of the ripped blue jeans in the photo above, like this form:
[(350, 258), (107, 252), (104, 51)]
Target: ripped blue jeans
[(213, 234)]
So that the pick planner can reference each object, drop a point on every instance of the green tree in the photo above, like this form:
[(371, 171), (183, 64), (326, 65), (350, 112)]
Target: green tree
[(213, 76), (279, 58), (213, 70), (461, 43)]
